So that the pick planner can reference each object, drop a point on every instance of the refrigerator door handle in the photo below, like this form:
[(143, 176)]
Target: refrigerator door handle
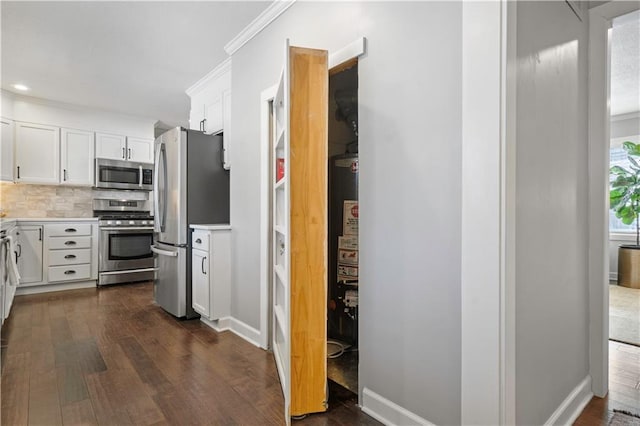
[(164, 252), (156, 193), (165, 188)]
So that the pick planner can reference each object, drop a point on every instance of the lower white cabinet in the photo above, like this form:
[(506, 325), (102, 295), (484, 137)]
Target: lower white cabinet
[(30, 243), (211, 271), (57, 252)]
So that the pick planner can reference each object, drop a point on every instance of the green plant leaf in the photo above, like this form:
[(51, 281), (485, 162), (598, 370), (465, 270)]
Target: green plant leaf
[(633, 161), (631, 148), (617, 170), (624, 181)]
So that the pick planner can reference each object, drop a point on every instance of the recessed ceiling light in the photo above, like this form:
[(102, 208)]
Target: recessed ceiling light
[(21, 87)]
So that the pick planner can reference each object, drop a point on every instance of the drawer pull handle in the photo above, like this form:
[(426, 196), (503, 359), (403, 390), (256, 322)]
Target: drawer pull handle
[(198, 241), (70, 256), (69, 272), (71, 230), (69, 243)]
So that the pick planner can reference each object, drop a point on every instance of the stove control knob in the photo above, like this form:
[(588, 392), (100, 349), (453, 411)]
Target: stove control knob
[(151, 222), (132, 222), (118, 222), (144, 222), (109, 222)]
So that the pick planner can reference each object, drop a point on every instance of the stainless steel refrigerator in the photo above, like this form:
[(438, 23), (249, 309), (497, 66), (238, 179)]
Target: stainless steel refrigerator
[(190, 187)]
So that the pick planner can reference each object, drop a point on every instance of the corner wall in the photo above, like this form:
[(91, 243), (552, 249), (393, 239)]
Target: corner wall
[(410, 189), (552, 293)]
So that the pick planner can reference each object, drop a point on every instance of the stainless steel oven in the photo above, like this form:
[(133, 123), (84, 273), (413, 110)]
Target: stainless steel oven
[(126, 237), (116, 174)]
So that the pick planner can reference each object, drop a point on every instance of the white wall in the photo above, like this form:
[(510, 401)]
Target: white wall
[(41, 111), (552, 298), (410, 187)]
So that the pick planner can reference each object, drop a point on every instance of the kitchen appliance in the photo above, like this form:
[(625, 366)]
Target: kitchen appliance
[(126, 237), (117, 174), (343, 249), (190, 187)]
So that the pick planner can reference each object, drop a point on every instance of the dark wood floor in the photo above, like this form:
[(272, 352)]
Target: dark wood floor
[(109, 356), (624, 387)]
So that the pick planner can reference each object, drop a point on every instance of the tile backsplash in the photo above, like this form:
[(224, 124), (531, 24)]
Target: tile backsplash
[(39, 201)]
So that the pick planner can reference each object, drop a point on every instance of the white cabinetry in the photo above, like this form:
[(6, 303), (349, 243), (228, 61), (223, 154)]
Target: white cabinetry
[(30, 254), (109, 146), (6, 150), (77, 157), (57, 253), (211, 104), (118, 147), (37, 153), (140, 150), (211, 271)]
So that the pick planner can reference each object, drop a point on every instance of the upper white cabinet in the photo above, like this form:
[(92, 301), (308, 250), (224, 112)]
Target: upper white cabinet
[(37, 153), (117, 147), (140, 150), (77, 157), (211, 104), (111, 146), (6, 150)]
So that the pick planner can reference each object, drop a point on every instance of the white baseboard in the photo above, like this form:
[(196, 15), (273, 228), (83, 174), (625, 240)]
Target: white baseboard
[(222, 324), (613, 276), (237, 327), (48, 288), (573, 404), (389, 412), (245, 331)]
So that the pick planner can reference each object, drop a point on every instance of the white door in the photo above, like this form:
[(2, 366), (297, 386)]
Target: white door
[(140, 150), (200, 282), (110, 146), (281, 297), (30, 254), (77, 157), (37, 153), (6, 150)]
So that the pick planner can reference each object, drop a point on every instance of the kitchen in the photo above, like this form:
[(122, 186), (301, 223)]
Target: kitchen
[(418, 292)]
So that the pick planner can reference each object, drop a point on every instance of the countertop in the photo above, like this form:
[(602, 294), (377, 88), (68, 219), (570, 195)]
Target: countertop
[(53, 219), (217, 227)]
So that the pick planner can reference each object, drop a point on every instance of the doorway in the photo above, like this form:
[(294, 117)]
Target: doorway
[(342, 240), (624, 289)]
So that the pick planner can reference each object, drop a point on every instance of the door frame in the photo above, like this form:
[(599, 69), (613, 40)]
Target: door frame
[(350, 52), (266, 108), (600, 19)]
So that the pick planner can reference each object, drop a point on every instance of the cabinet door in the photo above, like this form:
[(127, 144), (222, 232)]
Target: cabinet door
[(111, 146), (6, 151), (77, 157), (30, 254), (196, 116), (37, 153), (213, 116), (200, 282), (226, 127), (140, 150)]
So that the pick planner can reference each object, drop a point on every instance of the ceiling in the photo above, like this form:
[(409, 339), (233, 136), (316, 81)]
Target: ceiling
[(625, 64), (133, 57)]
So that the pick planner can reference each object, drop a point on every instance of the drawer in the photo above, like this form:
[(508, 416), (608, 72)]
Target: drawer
[(69, 272), (68, 229), (200, 240), (69, 257), (69, 242)]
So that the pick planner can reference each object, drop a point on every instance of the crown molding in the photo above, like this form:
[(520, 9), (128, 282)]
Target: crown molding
[(212, 75), (269, 15)]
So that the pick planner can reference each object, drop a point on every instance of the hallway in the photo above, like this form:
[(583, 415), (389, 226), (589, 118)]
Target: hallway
[(110, 356)]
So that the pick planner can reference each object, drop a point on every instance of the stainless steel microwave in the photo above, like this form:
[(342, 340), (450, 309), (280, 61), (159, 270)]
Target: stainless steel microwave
[(116, 174)]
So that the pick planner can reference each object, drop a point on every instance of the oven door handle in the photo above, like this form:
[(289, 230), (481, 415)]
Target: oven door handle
[(164, 252), (125, 229)]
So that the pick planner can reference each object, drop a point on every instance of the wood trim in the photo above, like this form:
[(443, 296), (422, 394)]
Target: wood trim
[(309, 96), (343, 66)]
